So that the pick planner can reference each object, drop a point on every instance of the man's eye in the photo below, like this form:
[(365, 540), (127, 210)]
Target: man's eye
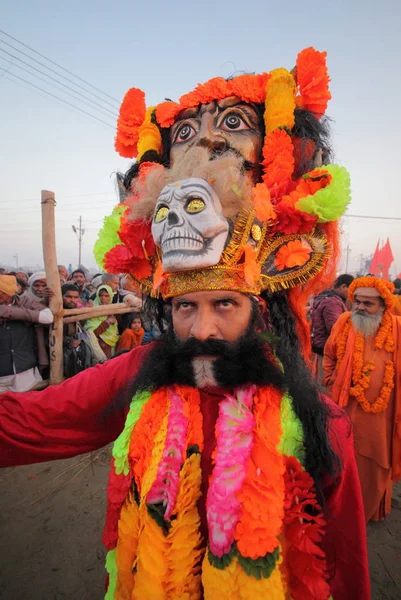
[(184, 306), (233, 122), (185, 133), (225, 303)]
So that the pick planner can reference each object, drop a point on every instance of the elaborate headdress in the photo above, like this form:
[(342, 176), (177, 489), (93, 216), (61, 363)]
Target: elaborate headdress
[(195, 233)]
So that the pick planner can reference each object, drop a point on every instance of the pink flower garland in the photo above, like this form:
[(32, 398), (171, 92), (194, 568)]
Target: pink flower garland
[(165, 487), (234, 432)]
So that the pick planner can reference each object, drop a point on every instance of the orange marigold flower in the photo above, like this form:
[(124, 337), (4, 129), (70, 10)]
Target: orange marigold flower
[(250, 88), (293, 254), (313, 81), (132, 115), (166, 113)]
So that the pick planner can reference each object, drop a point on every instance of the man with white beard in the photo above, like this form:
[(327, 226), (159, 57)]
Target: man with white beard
[(362, 372)]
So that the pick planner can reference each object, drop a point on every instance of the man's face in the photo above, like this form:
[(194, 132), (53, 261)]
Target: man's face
[(343, 291), (63, 272), (5, 298), (79, 279), (71, 299), (218, 315), (39, 288), (219, 126), (367, 305), (114, 283), (22, 275)]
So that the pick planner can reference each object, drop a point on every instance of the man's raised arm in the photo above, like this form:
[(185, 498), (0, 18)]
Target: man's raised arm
[(68, 419)]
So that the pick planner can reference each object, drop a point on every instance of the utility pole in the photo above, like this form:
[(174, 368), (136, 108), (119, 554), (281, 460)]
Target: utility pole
[(16, 260), (79, 232), (347, 250)]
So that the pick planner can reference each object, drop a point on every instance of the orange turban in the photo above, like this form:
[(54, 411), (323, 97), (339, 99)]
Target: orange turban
[(8, 284)]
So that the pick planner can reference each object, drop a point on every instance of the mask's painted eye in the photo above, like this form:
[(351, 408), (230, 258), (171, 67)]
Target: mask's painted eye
[(195, 206), (161, 214), (233, 122), (184, 134)]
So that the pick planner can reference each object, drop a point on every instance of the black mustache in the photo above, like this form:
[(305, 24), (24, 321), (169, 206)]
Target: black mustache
[(192, 347)]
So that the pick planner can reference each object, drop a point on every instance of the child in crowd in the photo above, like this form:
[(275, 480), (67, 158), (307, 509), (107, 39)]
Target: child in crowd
[(105, 327), (133, 333)]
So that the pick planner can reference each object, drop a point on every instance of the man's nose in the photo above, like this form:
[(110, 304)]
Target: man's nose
[(203, 326)]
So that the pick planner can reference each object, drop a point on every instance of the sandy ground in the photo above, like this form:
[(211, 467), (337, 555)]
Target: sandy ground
[(51, 518)]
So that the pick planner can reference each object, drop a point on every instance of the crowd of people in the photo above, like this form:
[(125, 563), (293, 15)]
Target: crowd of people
[(25, 318)]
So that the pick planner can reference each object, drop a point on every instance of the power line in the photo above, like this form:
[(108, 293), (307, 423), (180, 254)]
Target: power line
[(59, 66), (371, 217), (58, 98), (92, 102)]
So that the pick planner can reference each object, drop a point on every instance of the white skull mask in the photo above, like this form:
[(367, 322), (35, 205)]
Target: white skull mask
[(188, 225)]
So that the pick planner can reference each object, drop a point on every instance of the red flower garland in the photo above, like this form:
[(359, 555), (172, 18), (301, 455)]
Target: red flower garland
[(118, 487), (303, 529)]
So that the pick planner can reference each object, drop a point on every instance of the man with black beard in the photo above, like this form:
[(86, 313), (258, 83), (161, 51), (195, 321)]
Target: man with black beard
[(362, 362), (231, 476)]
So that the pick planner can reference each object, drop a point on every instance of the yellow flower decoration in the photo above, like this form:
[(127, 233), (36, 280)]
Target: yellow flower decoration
[(280, 100), (149, 135)]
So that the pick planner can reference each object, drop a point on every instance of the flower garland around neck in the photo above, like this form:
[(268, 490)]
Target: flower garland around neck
[(361, 373)]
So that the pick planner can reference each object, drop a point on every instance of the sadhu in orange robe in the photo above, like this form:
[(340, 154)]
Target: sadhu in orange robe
[(377, 437)]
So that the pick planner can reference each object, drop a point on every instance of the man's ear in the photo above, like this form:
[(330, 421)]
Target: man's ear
[(318, 158)]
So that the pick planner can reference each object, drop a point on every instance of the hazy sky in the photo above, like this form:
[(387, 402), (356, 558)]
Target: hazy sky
[(166, 48)]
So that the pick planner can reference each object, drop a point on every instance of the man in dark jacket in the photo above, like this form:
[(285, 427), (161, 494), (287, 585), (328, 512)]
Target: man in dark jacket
[(18, 353), (77, 355), (327, 308)]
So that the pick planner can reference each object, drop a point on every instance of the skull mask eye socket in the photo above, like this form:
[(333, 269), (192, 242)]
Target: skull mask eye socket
[(194, 206), (161, 214)]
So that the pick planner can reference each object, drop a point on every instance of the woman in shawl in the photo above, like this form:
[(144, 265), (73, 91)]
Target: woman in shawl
[(104, 328)]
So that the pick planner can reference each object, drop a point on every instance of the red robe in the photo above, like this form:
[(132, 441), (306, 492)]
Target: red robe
[(69, 420)]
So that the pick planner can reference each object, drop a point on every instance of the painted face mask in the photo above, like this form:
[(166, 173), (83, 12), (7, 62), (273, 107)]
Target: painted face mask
[(188, 225)]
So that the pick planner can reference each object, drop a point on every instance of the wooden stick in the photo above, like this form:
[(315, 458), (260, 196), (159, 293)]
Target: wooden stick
[(84, 317), (53, 281), (107, 309)]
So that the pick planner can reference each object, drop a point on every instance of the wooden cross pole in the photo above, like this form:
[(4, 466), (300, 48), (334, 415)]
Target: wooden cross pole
[(48, 203)]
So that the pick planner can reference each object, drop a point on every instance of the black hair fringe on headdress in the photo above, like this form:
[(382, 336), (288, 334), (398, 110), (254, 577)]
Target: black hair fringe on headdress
[(309, 127), (313, 412)]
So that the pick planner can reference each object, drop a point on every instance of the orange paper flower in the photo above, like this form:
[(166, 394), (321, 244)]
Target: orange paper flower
[(132, 115), (293, 254), (313, 81), (251, 267), (262, 203)]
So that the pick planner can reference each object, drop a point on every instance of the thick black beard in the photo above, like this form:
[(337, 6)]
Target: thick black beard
[(237, 363)]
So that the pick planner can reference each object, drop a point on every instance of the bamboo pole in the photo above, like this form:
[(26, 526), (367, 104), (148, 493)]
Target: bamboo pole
[(102, 309), (53, 282), (84, 317)]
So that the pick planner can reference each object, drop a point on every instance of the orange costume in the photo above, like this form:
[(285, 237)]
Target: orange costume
[(130, 339), (377, 434)]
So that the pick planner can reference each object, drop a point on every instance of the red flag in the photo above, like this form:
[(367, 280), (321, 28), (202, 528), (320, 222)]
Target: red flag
[(386, 259), (374, 268)]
